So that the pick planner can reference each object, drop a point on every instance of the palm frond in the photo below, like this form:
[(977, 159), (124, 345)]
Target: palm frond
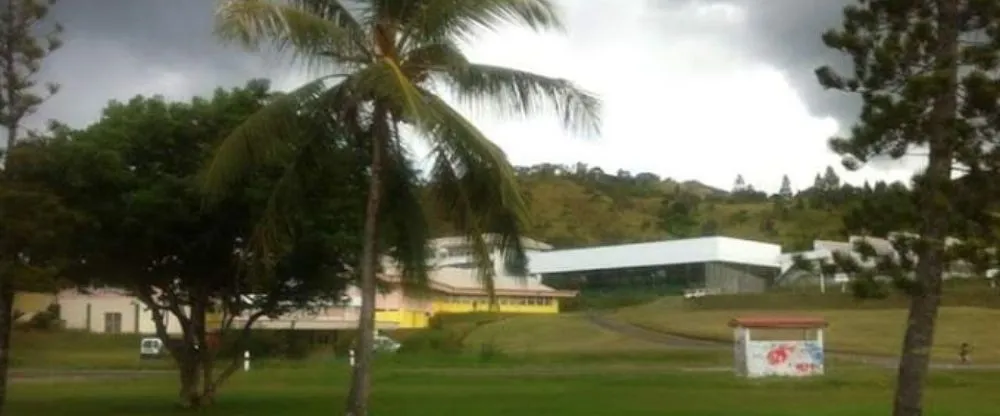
[(522, 94), (475, 183), (405, 229), (264, 137), (435, 20), (335, 11), (309, 33), (420, 61)]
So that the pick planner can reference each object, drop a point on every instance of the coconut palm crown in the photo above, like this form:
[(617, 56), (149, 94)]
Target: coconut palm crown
[(382, 65), (388, 60)]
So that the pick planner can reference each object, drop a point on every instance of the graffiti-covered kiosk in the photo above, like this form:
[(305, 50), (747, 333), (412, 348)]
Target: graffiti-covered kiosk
[(778, 346)]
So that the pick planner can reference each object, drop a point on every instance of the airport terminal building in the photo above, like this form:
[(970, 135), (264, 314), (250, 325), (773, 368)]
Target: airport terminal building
[(715, 264)]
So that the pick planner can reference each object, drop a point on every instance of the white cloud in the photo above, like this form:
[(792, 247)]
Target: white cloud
[(680, 101)]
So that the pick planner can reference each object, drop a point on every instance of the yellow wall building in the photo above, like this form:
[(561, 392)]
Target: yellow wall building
[(454, 288), (458, 290)]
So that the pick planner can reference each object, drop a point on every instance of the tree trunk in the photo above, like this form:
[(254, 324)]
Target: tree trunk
[(198, 323), (6, 323), (357, 398), (189, 395), (915, 358)]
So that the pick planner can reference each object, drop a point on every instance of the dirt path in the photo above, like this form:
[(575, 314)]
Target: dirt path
[(676, 341)]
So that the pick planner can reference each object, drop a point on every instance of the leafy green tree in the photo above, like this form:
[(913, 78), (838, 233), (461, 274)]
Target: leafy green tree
[(134, 175), (925, 71), (710, 228), (831, 181), (678, 215), (740, 184), (25, 41), (386, 61), (885, 209)]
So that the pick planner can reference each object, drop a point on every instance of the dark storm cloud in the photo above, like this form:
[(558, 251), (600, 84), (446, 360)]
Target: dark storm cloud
[(786, 34), (115, 49)]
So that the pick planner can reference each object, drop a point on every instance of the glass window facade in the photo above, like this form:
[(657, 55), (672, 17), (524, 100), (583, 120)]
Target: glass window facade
[(667, 279)]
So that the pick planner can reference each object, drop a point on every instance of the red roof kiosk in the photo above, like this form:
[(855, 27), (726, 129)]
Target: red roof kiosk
[(778, 346)]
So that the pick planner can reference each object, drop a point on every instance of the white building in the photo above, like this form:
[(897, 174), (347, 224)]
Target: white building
[(109, 311), (714, 264), (823, 253), (455, 252)]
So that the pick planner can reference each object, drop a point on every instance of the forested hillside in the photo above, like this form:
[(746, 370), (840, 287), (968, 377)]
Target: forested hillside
[(578, 205)]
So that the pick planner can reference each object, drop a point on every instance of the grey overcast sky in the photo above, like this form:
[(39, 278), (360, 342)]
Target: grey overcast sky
[(693, 89)]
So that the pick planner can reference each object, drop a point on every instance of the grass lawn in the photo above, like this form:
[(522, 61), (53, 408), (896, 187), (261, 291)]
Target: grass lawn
[(549, 334), (875, 331), (78, 350), (405, 388)]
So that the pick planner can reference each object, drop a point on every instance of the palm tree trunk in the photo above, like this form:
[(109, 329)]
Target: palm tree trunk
[(916, 355), (357, 399)]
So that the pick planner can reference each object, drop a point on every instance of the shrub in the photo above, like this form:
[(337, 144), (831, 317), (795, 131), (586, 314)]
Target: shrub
[(868, 287), (47, 320), (489, 351), (433, 339)]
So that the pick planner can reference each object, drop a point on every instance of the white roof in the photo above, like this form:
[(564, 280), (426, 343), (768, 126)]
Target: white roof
[(693, 250), (529, 243), (469, 279)]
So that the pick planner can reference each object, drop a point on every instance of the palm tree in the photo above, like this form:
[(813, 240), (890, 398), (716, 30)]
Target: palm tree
[(384, 64)]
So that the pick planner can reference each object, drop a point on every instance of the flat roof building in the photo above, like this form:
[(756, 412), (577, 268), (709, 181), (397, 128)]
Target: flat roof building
[(716, 264)]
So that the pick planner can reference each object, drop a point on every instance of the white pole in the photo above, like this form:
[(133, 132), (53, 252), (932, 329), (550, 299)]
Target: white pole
[(352, 357), (246, 360), (822, 278)]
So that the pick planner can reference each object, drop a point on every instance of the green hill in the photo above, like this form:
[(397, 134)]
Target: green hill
[(581, 206)]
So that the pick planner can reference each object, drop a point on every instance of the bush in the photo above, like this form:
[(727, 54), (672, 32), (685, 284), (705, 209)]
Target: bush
[(47, 320), (433, 339), (292, 345), (446, 332), (868, 287), (489, 351), (345, 340)]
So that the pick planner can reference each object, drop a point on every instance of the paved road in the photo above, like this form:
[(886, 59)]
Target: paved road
[(675, 341)]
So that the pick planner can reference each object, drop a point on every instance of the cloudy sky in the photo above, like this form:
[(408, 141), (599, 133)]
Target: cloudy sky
[(693, 89)]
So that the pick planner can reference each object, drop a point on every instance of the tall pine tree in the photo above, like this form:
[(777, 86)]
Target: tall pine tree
[(831, 182), (924, 70), (25, 41), (785, 192), (739, 185)]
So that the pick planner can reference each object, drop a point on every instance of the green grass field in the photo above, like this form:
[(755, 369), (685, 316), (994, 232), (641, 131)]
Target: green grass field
[(553, 334), (528, 365), (78, 350), (869, 330), (552, 389)]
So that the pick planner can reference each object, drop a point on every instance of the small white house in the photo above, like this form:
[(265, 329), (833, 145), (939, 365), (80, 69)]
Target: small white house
[(109, 311)]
